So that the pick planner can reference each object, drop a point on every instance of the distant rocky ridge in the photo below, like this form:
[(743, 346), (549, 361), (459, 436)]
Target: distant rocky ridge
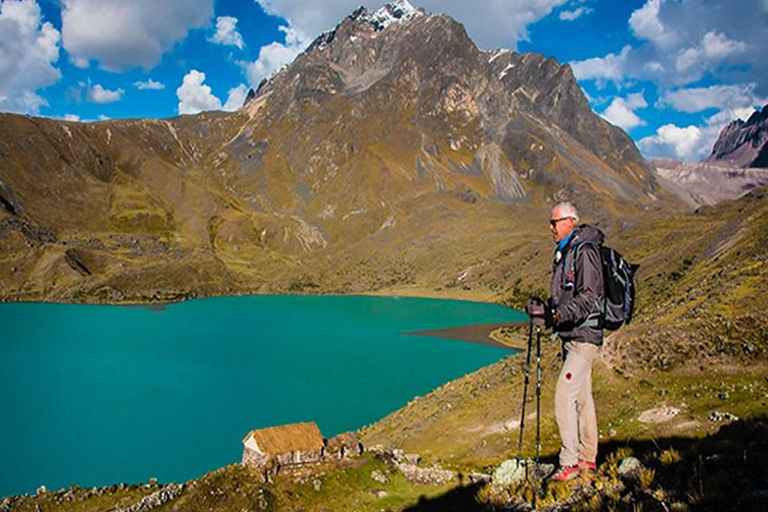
[(705, 182), (392, 152), (738, 163), (744, 144)]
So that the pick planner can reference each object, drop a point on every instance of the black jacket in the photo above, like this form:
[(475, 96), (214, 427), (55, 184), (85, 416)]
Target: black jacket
[(577, 287)]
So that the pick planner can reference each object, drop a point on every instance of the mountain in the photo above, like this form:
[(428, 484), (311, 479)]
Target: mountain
[(744, 144), (738, 163), (392, 153)]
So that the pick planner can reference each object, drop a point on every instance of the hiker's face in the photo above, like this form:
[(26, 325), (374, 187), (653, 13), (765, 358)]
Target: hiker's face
[(560, 226)]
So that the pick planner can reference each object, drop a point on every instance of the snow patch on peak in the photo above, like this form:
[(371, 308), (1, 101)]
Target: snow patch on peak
[(497, 54), (393, 12)]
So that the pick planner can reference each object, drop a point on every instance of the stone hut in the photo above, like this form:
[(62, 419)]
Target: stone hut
[(284, 446), (342, 446)]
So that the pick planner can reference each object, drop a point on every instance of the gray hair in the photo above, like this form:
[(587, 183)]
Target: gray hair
[(567, 209)]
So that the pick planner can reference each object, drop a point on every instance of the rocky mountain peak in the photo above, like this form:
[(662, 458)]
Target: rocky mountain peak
[(390, 13), (392, 134), (743, 144)]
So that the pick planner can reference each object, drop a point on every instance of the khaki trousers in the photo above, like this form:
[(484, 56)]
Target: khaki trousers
[(574, 406)]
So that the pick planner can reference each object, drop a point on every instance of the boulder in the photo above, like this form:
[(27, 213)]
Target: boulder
[(629, 466), (378, 476)]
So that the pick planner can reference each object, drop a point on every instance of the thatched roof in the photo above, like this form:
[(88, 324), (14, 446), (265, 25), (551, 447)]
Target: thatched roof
[(303, 437)]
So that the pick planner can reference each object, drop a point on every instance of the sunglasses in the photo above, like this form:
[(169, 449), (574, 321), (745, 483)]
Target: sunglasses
[(553, 222)]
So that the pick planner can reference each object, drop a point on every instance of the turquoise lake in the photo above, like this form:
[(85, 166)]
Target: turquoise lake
[(98, 395)]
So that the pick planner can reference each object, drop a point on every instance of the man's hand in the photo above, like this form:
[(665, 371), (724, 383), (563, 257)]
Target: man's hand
[(534, 307), (541, 313)]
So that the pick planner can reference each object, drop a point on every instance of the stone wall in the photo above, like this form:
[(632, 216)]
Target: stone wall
[(253, 458)]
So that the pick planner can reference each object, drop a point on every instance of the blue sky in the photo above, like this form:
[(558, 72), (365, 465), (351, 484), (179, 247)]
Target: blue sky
[(672, 73)]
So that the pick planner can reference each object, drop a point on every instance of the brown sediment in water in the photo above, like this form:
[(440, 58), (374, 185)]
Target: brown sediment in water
[(476, 333)]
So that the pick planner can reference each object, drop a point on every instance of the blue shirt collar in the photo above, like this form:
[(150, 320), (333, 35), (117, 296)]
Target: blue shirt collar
[(562, 243)]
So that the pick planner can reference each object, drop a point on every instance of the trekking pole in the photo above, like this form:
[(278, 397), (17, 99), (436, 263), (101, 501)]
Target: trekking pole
[(538, 412), (527, 373)]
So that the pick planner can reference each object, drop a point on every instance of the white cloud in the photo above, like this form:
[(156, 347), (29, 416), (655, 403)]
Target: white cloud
[(730, 114), (602, 69), (683, 41), (275, 55), (495, 23), (687, 59), (490, 23), (653, 67), (98, 94), (696, 61), (24, 102), (717, 46), (122, 35), (71, 117), (621, 112), (149, 84), (696, 142), (226, 32), (670, 140), (195, 97), (696, 99), (646, 25), (79, 63), (28, 51), (636, 101), (575, 14), (236, 98)]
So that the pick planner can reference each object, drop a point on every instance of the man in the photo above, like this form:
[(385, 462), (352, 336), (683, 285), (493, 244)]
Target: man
[(575, 312)]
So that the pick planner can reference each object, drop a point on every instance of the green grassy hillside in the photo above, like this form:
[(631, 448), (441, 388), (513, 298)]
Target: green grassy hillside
[(694, 355)]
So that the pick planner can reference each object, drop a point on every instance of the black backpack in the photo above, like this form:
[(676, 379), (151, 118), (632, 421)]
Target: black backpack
[(619, 285), (619, 281)]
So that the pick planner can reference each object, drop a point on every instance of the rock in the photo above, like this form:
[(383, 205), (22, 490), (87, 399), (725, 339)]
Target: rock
[(611, 432), (412, 458), (659, 414), (379, 493), (629, 465), (723, 396), (508, 472), (479, 477), (156, 499), (41, 490), (432, 476), (378, 476), (398, 454), (722, 416), (513, 471), (317, 484)]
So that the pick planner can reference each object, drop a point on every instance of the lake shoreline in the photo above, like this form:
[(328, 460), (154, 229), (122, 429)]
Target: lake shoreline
[(95, 366)]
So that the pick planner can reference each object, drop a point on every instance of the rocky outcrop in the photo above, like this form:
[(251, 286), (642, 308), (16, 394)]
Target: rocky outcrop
[(707, 183), (6, 200), (157, 499), (738, 163), (424, 74), (743, 144)]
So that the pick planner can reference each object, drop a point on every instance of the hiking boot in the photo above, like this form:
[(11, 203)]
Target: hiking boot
[(565, 473), (586, 466)]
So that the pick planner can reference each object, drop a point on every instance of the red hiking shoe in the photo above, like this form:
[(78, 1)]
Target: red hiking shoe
[(587, 466), (565, 473)]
